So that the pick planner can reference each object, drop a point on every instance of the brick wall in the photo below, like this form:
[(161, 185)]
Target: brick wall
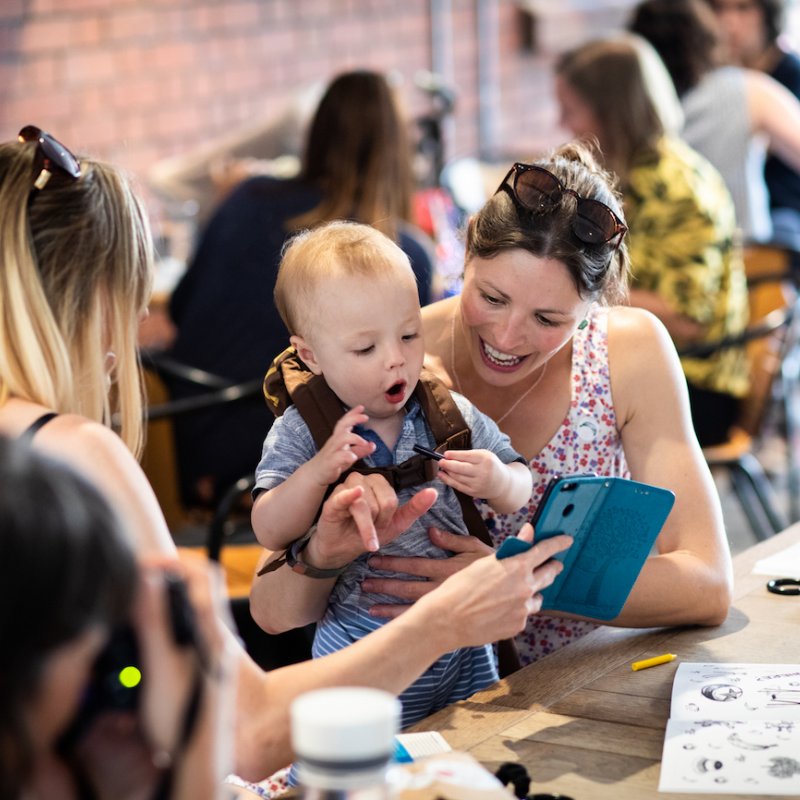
[(134, 81)]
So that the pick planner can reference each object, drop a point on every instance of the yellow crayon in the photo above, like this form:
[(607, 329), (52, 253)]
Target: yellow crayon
[(653, 662)]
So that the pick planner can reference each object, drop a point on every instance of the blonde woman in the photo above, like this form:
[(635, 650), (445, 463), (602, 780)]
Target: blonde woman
[(75, 272)]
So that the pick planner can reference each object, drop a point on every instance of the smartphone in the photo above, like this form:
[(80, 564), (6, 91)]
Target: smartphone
[(513, 546), (614, 523)]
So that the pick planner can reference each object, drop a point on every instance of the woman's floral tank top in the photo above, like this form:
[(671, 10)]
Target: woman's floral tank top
[(587, 441)]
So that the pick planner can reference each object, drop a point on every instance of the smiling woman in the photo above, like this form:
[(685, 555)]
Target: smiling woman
[(607, 396), (579, 386)]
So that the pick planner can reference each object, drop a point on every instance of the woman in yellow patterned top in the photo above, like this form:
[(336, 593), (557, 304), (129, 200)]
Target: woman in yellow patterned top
[(685, 254)]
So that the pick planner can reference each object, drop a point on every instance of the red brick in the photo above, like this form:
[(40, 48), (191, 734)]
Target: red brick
[(12, 11), (132, 25), (46, 34), (11, 41), (90, 29)]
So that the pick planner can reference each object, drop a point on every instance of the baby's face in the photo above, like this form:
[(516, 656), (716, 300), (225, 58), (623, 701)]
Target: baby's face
[(367, 339)]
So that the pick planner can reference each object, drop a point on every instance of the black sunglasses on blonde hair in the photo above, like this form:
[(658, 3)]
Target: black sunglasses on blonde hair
[(538, 190), (50, 155)]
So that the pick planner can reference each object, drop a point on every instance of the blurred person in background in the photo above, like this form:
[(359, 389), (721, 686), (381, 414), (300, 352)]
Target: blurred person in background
[(752, 31), (732, 114), (686, 263), (357, 165)]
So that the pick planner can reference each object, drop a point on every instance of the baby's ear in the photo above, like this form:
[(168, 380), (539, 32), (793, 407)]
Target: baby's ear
[(306, 353)]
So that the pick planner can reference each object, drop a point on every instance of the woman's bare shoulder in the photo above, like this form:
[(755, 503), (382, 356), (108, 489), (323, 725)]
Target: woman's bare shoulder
[(643, 363), (632, 330), (88, 445), (103, 458)]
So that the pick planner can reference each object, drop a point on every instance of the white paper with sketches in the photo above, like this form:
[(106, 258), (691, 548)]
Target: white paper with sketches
[(733, 729)]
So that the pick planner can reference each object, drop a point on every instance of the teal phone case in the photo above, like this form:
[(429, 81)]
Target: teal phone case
[(614, 523)]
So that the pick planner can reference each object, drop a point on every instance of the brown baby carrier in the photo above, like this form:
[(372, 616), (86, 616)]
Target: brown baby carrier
[(289, 382)]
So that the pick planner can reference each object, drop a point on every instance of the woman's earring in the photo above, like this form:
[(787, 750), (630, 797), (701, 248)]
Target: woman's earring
[(111, 362), (582, 324)]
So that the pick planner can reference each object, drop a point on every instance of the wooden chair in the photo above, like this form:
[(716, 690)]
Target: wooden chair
[(225, 533), (772, 275), (770, 340)]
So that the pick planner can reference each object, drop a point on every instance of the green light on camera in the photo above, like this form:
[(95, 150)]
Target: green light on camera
[(130, 677)]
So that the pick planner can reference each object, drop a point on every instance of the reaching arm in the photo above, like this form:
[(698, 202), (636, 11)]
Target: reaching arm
[(775, 111), (689, 581), (490, 599), (363, 507)]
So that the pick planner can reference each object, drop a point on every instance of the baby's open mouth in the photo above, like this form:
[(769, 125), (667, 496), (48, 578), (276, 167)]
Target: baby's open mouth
[(396, 392)]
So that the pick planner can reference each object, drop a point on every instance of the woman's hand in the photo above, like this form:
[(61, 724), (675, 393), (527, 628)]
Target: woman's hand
[(124, 756), (361, 515), (429, 572), (492, 598)]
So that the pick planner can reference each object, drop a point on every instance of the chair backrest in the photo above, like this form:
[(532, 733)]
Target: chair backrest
[(159, 460), (773, 300)]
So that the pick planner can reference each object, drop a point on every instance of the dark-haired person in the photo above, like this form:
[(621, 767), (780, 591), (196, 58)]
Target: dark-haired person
[(356, 165), (68, 580), (732, 114), (752, 31)]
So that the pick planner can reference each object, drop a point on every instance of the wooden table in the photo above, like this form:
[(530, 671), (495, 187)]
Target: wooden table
[(585, 725)]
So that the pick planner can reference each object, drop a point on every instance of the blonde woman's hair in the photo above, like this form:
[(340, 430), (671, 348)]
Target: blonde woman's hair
[(625, 83), (76, 266), (324, 253)]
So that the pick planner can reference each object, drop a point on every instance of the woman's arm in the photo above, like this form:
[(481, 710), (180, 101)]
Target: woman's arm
[(774, 111), (690, 580), (488, 600), (102, 456)]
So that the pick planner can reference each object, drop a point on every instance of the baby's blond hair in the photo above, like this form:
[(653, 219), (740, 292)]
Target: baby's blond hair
[(329, 251)]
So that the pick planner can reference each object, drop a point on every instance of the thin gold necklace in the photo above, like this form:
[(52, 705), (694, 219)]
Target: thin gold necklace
[(458, 380)]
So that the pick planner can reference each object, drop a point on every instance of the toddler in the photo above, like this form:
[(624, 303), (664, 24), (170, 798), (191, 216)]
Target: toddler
[(348, 296)]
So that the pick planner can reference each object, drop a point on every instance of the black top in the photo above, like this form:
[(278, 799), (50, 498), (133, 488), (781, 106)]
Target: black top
[(34, 427), (782, 181)]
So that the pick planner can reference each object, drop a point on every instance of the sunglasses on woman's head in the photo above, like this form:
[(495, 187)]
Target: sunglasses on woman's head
[(50, 155), (538, 190)]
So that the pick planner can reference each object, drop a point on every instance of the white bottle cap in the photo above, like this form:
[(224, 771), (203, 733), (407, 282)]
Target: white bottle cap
[(343, 736)]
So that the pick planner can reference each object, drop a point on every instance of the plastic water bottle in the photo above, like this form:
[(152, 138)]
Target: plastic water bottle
[(343, 739)]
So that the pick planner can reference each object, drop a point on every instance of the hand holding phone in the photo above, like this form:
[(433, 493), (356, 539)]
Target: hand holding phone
[(614, 523), (513, 546)]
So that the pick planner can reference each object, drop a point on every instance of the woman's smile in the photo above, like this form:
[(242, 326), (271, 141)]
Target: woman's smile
[(497, 359)]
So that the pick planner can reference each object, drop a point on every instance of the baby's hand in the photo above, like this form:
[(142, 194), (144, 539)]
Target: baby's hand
[(342, 449), (478, 473)]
